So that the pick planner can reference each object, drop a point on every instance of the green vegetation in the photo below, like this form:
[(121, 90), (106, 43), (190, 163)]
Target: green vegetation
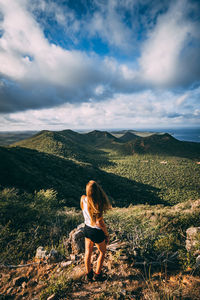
[(175, 179), (41, 176), (32, 170), (30, 220), (156, 232)]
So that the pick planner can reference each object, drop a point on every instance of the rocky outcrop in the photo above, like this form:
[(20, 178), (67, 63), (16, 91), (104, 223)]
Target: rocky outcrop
[(52, 256), (41, 253), (76, 242), (193, 239), (193, 243)]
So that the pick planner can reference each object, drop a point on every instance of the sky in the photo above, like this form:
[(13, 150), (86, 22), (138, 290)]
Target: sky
[(99, 64)]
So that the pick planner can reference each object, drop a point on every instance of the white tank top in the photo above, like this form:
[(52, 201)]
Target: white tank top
[(86, 215)]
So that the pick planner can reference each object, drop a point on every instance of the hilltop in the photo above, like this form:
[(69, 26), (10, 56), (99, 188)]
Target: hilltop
[(89, 147), (146, 259), (66, 143)]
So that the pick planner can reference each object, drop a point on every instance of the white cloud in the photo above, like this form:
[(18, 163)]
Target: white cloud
[(108, 23), (138, 110), (160, 60), (35, 73), (180, 100)]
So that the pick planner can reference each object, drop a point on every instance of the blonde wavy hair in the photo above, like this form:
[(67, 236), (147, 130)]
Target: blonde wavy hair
[(97, 200)]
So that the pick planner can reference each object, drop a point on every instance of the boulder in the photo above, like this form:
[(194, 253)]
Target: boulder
[(41, 253), (65, 264), (76, 241), (54, 256), (193, 239), (198, 262)]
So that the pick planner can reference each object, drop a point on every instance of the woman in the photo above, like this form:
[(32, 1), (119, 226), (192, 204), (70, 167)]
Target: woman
[(93, 205)]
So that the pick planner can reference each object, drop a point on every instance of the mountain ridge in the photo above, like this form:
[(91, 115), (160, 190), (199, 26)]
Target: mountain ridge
[(88, 146)]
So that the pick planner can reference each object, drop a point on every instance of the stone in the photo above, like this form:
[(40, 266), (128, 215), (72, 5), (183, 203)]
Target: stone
[(198, 261), (192, 232), (41, 253), (65, 264), (193, 239), (73, 257), (54, 256), (76, 241)]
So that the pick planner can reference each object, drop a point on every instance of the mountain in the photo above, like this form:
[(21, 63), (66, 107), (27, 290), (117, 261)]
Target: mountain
[(163, 144), (66, 143), (100, 138), (128, 136), (89, 147)]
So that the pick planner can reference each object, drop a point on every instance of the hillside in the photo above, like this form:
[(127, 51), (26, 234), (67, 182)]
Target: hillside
[(165, 144), (66, 143), (146, 259), (30, 170), (164, 165)]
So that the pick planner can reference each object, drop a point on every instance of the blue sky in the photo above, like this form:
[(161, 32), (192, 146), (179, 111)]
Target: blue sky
[(89, 64)]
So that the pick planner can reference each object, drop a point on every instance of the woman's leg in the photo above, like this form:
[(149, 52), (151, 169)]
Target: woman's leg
[(88, 253), (102, 250)]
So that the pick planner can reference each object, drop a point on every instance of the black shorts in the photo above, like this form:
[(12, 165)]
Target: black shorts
[(95, 235)]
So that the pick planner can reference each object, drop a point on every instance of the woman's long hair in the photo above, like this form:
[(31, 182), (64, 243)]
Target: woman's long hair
[(97, 200)]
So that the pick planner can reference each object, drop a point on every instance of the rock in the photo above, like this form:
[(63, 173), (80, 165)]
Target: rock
[(76, 240), (52, 297), (73, 257), (192, 232), (65, 264), (41, 253), (193, 239), (198, 262), (19, 280), (54, 256)]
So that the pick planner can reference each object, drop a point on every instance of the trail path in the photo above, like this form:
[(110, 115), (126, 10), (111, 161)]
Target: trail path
[(124, 281)]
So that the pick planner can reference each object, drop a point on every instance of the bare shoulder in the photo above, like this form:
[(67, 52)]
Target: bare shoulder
[(81, 202), (83, 197)]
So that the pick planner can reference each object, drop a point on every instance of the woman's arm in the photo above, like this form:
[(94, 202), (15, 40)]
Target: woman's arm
[(81, 202)]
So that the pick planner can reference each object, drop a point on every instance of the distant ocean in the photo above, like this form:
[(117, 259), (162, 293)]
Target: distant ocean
[(183, 134)]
